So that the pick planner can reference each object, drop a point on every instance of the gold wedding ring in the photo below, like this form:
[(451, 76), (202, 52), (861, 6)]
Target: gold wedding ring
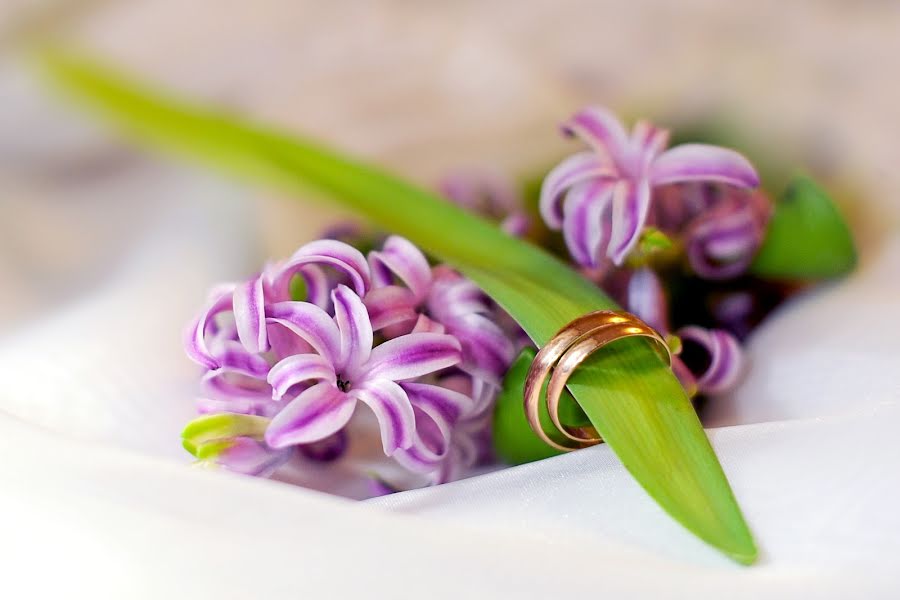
[(563, 353)]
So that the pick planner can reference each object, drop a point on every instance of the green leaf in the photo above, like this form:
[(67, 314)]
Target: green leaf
[(807, 237), (630, 396)]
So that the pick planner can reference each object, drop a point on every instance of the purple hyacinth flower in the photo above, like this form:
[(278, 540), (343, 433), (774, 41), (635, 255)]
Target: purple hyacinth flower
[(713, 356), (722, 241), (405, 287), (490, 194), (344, 369), (244, 455), (601, 198)]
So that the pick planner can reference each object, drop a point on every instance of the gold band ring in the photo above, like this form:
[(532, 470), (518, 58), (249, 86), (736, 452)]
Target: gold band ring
[(563, 353)]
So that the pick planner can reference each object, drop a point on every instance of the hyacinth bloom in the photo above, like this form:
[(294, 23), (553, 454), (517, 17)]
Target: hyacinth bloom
[(345, 369), (601, 198), (406, 287)]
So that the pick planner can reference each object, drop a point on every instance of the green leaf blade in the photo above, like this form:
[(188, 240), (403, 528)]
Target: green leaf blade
[(630, 395)]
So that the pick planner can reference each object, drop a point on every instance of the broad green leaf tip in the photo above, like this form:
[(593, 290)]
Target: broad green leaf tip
[(630, 396)]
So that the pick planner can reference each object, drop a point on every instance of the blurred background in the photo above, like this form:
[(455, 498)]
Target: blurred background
[(91, 229)]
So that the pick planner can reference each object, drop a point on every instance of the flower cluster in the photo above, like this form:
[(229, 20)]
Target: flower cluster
[(290, 354), (414, 343)]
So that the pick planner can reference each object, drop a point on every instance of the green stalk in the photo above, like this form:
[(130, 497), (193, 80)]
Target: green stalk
[(629, 395)]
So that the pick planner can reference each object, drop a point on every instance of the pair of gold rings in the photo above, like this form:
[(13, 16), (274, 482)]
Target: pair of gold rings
[(559, 358)]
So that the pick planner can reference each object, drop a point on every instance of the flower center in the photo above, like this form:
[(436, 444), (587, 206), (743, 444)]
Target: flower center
[(343, 385)]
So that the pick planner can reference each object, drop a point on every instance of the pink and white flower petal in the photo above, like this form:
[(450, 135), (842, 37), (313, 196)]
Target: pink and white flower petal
[(297, 369), (580, 167), (702, 162), (400, 258), (354, 327), (647, 141), (250, 315), (314, 415), (195, 343), (390, 305), (725, 358), (412, 355), (486, 349), (393, 410), (600, 129), (332, 253), (583, 215), (244, 455), (444, 406), (426, 325), (630, 205), (310, 323)]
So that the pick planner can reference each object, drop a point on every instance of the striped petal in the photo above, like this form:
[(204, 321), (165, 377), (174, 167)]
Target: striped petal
[(314, 415), (338, 255), (250, 315), (444, 406), (390, 305), (647, 141), (577, 168), (701, 162), (244, 455), (195, 336), (393, 410), (600, 129), (723, 362), (486, 350), (400, 258), (630, 204), (301, 368), (583, 228), (412, 355), (310, 323), (354, 327)]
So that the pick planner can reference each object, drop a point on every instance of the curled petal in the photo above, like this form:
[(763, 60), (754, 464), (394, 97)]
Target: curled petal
[(630, 204), (393, 410), (430, 448), (195, 336), (354, 327), (722, 243), (413, 355), (244, 455), (701, 162), (241, 376), (583, 227), (314, 415), (580, 167), (390, 305), (341, 256), (401, 258), (443, 405), (724, 359), (648, 141), (487, 351), (298, 369), (311, 323), (250, 315), (600, 129), (647, 299)]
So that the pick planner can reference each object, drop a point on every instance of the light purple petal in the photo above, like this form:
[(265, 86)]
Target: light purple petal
[(354, 327), (725, 358), (648, 141), (486, 350), (390, 305), (630, 204), (701, 162), (647, 299), (444, 406), (393, 410), (579, 167), (311, 323), (583, 213), (338, 255), (195, 336), (225, 384), (722, 243), (314, 415), (426, 325), (297, 369), (250, 315), (516, 224), (600, 129), (413, 355), (249, 457), (401, 258), (327, 450)]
